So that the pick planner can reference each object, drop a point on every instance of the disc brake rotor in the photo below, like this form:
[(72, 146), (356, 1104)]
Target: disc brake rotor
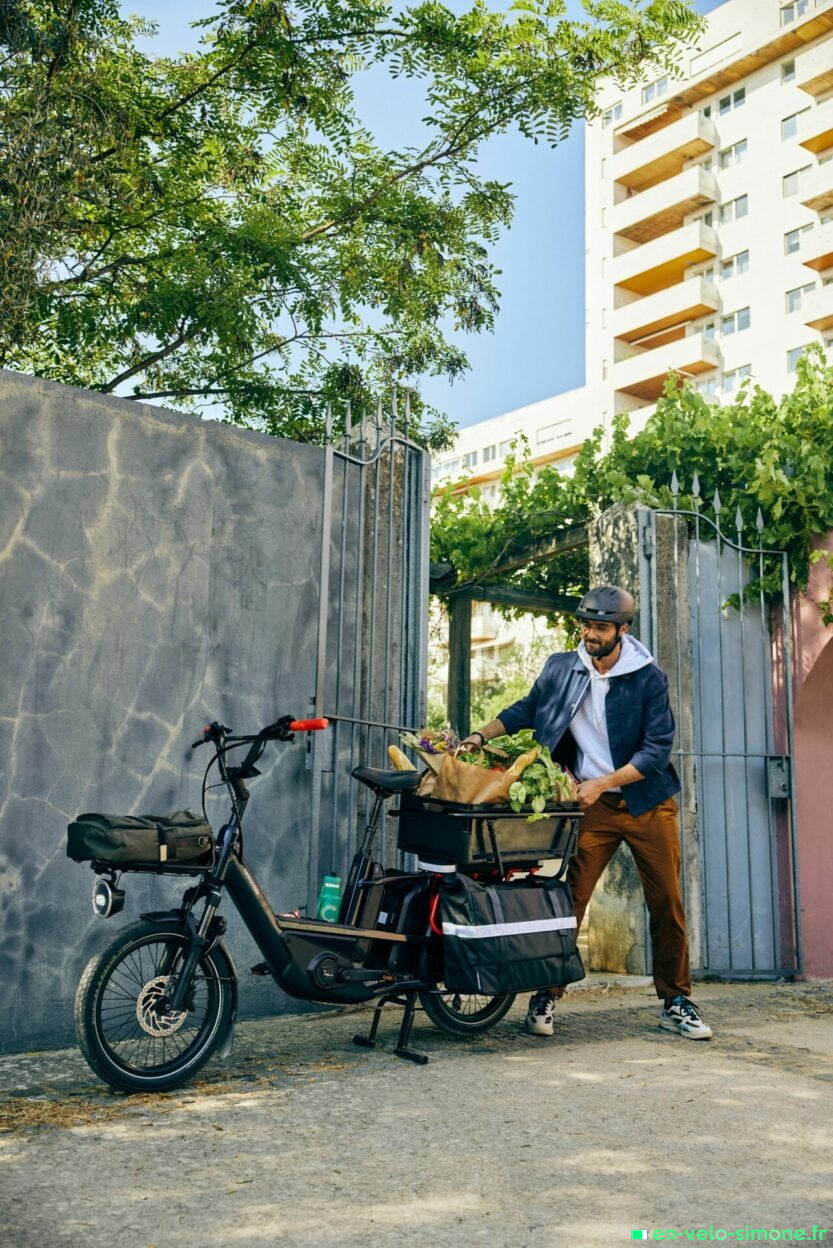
[(152, 1019)]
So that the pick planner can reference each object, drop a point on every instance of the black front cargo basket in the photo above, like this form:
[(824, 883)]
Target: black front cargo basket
[(485, 836)]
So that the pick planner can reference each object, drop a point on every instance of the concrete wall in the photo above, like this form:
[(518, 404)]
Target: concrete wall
[(156, 571)]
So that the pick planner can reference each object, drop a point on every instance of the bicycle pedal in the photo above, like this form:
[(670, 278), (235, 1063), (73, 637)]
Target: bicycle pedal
[(262, 968)]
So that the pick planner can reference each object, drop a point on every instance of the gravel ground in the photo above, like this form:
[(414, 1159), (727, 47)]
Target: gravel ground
[(302, 1139)]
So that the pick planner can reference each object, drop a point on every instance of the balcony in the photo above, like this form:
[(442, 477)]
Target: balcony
[(817, 309), (663, 155), (813, 68), (663, 262), (815, 128), (664, 207), (668, 308), (483, 628), (816, 188), (814, 71), (645, 374), (818, 248)]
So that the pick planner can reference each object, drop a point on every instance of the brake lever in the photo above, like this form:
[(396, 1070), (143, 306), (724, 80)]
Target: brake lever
[(279, 731), (213, 732)]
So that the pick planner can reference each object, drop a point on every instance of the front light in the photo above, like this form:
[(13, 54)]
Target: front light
[(107, 899)]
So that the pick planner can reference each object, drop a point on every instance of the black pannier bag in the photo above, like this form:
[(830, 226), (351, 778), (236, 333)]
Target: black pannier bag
[(181, 837), (508, 937)]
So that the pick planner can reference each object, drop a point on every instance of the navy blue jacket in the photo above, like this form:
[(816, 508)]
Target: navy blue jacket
[(640, 723)]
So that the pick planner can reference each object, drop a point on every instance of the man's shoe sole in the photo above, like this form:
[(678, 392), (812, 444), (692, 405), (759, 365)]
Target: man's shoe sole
[(668, 1024), (539, 1029)]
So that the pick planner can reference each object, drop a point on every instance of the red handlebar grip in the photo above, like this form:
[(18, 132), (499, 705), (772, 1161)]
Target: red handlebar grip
[(308, 725)]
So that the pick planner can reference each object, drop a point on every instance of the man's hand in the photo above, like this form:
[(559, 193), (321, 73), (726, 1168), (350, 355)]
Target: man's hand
[(588, 792)]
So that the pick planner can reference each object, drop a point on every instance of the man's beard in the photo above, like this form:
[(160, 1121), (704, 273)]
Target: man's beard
[(605, 648)]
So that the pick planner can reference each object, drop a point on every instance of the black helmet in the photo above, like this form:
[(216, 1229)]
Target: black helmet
[(607, 604)]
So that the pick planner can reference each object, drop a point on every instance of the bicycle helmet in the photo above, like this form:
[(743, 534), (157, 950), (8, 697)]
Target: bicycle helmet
[(607, 604)]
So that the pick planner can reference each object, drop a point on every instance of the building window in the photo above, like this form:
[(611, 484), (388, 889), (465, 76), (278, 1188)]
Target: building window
[(734, 266), (791, 12), (732, 379), (504, 449), (654, 90), (795, 297), (735, 322), (706, 112), (489, 453), (610, 115), (789, 126), (733, 100), (556, 432), (789, 182), (793, 357), (709, 330), (733, 155), (470, 459), (709, 385), (734, 210), (792, 239), (788, 71)]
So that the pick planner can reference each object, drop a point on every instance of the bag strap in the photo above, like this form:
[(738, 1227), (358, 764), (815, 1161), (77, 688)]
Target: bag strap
[(167, 843)]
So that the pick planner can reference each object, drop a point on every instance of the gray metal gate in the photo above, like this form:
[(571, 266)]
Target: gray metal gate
[(372, 623), (726, 646)]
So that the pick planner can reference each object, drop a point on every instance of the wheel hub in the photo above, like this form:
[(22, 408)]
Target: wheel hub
[(153, 1012)]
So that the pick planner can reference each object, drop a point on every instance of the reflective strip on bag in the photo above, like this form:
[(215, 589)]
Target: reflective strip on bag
[(483, 931)]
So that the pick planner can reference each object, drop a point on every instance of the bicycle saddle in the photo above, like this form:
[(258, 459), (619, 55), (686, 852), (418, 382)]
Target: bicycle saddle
[(387, 781)]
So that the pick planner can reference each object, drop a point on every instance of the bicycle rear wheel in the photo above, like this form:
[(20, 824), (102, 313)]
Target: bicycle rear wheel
[(461, 1014), (125, 1031)]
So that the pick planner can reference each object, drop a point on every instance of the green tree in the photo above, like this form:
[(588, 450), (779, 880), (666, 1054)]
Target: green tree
[(757, 453), (221, 229)]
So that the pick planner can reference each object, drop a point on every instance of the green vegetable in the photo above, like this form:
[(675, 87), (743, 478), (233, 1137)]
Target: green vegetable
[(541, 782)]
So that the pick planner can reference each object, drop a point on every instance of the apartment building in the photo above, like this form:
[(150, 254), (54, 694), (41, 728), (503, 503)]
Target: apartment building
[(554, 430), (709, 231), (709, 212)]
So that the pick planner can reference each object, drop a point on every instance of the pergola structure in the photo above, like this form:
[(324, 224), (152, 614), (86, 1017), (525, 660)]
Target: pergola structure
[(460, 597)]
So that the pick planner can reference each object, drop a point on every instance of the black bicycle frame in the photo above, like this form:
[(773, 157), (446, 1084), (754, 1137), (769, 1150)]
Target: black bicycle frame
[(294, 948)]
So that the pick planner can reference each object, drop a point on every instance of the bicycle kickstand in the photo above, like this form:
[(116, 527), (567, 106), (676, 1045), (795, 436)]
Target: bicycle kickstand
[(369, 1041), (402, 1049)]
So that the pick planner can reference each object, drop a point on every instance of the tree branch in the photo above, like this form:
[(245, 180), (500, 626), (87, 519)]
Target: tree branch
[(146, 363)]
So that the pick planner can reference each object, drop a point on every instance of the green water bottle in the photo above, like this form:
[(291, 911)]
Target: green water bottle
[(329, 899)]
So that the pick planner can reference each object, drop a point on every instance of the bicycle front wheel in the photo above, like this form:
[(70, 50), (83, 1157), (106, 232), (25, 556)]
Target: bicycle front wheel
[(125, 1030), (461, 1014)]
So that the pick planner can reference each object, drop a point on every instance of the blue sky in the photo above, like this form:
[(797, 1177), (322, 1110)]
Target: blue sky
[(537, 348)]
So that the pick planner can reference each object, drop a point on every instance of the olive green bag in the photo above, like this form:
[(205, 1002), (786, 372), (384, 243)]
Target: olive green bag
[(180, 837)]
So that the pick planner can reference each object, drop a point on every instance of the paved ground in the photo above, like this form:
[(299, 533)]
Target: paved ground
[(301, 1139)]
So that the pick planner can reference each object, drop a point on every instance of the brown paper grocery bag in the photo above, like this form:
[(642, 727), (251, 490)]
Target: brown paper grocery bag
[(471, 785)]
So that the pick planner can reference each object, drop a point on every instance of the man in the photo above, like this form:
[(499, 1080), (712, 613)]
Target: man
[(604, 712)]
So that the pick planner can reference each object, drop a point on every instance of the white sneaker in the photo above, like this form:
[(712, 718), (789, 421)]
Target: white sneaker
[(540, 1015), (681, 1015)]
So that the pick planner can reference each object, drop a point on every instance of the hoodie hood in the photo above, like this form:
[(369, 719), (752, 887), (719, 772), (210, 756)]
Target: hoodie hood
[(633, 657)]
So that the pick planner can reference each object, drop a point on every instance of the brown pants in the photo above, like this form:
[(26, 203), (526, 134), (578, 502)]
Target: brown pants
[(654, 841)]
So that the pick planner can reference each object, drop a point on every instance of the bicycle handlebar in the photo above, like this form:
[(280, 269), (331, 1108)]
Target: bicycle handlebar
[(278, 731)]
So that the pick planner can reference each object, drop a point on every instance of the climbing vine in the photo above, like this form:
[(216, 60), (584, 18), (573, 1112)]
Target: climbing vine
[(758, 454)]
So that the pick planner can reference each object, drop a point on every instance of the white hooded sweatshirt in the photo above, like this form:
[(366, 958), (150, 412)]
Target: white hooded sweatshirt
[(589, 724)]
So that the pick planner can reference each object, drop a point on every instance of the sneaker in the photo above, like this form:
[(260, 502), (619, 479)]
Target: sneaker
[(681, 1015), (540, 1014)]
